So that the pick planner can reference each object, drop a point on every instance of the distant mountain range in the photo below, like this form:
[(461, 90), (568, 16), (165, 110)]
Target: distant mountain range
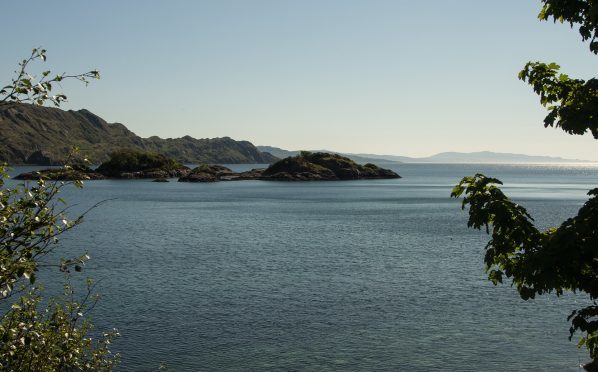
[(478, 157), (444, 157), (44, 135)]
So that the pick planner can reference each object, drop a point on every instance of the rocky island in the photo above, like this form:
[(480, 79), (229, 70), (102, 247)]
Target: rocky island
[(131, 164), (307, 166), (123, 164), (321, 166), (213, 173)]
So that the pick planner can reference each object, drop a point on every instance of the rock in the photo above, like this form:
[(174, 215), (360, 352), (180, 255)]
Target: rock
[(199, 177), (133, 164), (213, 173), (305, 167), (208, 173), (321, 166), (253, 174), (156, 174)]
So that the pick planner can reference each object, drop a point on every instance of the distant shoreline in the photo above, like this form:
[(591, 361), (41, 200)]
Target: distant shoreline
[(380, 163), (479, 157)]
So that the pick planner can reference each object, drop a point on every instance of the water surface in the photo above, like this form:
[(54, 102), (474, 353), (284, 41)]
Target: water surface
[(357, 275)]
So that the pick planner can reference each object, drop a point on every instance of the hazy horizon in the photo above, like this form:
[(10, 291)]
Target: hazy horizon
[(380, 77), (458, 153)]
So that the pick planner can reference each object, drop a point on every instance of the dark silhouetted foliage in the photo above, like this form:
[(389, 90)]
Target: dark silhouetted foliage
[(558, 259)]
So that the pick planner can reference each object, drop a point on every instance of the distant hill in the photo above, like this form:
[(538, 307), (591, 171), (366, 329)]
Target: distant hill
[(479, 157), (358, 158), (495, 157), (44, 135), (444, 157)]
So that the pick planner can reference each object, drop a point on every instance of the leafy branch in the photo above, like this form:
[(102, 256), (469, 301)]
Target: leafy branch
[(26, 88), (572, 103), (54, 337), (556, 260)]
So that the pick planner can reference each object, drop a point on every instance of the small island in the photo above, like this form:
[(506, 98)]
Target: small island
[(213, 173), (307, 166), (133, 164), (129, 164), (123, 164), (321, 166)]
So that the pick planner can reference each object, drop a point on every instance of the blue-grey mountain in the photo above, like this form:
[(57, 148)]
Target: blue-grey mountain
[(486, 157)]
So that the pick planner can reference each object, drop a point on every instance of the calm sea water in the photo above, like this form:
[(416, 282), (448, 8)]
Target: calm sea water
[(356, 275)]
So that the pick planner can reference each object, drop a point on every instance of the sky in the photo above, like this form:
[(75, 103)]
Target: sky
[(397, 77)]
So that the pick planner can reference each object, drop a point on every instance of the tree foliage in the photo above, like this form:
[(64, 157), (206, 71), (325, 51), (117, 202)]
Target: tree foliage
[(581, 13), (572, 103), (537, 262), (558, 259), (56, 338), (27, 88), (32, 218)]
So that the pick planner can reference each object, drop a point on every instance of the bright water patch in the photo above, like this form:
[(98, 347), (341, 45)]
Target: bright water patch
[(356, 275)]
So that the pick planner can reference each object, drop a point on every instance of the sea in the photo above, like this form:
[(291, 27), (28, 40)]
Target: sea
[(369, 275)]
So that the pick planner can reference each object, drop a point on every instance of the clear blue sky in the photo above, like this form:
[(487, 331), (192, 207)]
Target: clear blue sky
[(378, 76)]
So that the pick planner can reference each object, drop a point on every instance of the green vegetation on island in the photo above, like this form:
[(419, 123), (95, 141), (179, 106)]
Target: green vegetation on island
[(123, 164), (129, 163)]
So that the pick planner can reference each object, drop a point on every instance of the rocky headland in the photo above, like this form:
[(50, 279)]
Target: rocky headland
[(45, 136)]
